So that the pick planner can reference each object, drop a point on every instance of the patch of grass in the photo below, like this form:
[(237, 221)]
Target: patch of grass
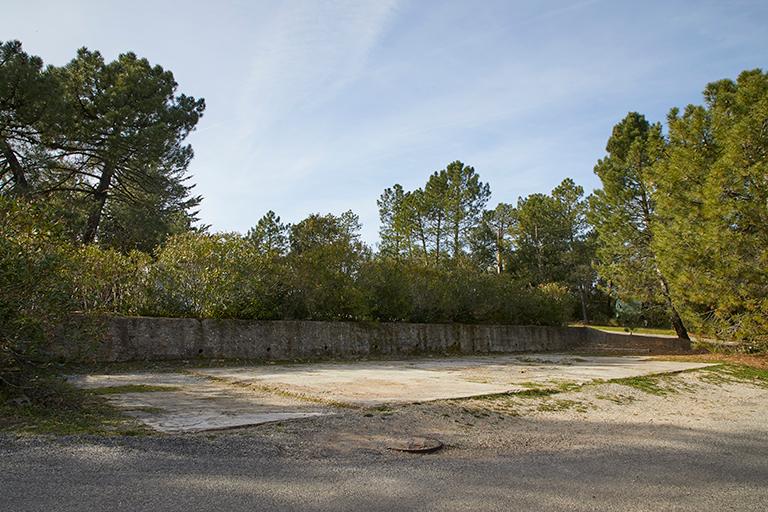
[(726, 373), (561, 405), (648, 384), (638, 330), (59, 408), (528, 385), (131, 388), (560, 387), (536, 392)]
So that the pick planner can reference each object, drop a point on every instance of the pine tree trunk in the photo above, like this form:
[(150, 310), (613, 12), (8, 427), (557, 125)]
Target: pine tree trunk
[(100, 197), (678, 325), (22, 185), (583, 299), (674, 316), (456, 241), (499, 266)]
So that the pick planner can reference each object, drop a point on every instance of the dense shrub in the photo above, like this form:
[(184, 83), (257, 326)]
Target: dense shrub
[(402, 291), (228, 276), (105, 280), (213, 276), (328, 274), (36, 294)]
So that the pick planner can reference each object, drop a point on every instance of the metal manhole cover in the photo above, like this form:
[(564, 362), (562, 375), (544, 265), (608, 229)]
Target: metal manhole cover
[(416, 445)]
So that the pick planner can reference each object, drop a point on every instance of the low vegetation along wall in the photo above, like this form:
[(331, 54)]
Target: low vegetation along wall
[(144, 338)]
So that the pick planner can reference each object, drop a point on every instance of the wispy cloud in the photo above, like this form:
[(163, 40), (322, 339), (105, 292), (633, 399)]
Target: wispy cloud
[(304, 53), (319, 105)]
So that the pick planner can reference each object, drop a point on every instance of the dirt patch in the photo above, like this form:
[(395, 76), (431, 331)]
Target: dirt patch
[(690, 400)]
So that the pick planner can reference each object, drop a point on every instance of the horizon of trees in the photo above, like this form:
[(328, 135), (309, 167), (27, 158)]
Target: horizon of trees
[(95, 203)]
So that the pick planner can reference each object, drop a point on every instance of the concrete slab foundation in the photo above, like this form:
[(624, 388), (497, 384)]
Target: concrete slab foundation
[(217, 398), (377, 383), (195, 403)]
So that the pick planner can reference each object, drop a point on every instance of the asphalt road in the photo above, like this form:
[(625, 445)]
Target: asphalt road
[(565, 466)]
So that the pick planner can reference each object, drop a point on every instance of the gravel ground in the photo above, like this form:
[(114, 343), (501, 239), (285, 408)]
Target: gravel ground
[(702, 445)]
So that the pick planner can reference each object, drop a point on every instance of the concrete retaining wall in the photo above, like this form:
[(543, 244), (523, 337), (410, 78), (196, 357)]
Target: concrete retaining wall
[(144, 338)]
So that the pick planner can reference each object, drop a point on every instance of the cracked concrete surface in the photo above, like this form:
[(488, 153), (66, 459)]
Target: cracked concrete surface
[(220, 398), (194, 403)]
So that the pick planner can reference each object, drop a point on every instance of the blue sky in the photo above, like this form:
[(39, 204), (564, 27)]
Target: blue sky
[(318, 106)]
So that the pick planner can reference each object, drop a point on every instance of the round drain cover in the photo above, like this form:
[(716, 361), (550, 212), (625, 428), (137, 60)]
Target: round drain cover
[(416, 445)]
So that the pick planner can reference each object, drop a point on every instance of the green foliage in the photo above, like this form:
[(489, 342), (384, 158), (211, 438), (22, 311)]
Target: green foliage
[(414, 292), (145, 219), (624, 209), (546, 239), (435, 222), (28, 96), (213, 276), (325, 260), (624, 215), (269, 235), (490, 241), (105, 280), (551, 242), (396, 231), (123, 125), (712, 236), (36, 295), (102, 139)]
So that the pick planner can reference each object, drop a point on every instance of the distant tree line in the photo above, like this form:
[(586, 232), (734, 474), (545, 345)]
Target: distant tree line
[(97, 215)]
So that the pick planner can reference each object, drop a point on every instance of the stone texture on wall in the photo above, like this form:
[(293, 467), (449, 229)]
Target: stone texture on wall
[(145, 338)]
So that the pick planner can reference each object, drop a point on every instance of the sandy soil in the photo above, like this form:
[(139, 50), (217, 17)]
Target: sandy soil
[(695, 401)]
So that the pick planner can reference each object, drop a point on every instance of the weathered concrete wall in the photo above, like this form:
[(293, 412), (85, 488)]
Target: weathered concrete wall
[(144, 338)]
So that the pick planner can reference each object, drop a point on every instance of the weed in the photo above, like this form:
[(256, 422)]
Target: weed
[(66, 410), (529, 385), (559, 387), (561, 405), (727, 373), (648, 384)]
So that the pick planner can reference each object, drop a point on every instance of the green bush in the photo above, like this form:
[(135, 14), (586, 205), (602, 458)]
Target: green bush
[(327, 275), (213, 276), (36, 294), (105, 280), (403, 291)]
